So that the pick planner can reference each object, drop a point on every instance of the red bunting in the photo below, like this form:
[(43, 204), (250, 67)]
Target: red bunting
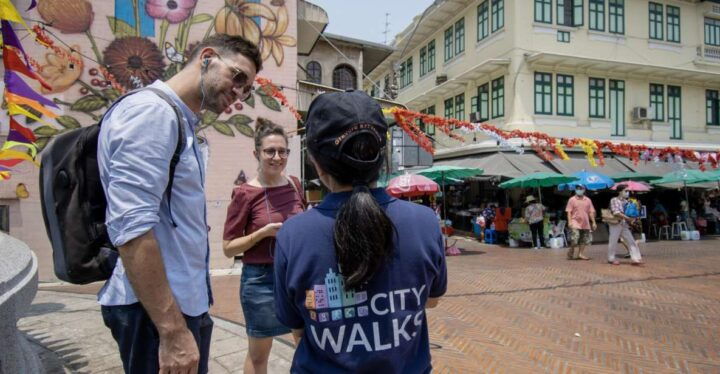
[(12, 61), (24, 131)]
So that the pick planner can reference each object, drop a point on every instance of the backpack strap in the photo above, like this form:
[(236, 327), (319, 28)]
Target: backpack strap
[(295, 182), (180, 142)]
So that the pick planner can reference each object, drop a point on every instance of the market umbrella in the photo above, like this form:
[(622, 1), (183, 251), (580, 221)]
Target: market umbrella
[(538, 180), (634, 176), (686, 177), (633, 186), (591, 180), (411, 185), (443, 172)]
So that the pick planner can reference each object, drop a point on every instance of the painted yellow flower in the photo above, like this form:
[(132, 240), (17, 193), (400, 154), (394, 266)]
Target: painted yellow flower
[(60, 72), (274, 38), (236, 18)]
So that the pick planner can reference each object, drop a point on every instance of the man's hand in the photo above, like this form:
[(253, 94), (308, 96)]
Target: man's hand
[(178, 353), (594, 226)]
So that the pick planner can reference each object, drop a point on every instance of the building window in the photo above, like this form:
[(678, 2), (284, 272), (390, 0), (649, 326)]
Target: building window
[(386, 88), (563, 36), (597, 15), (570, 12), (498, 97), (712, 31), (484, 102), (597, 98), (565, 95), (498, 14), (460, 107), (449, 108), (675, 111), (314, 72), (656, 21), (449, 44), (657, 102), (460, 36), (712, 108), (473, 106), (616, 12), (673, 23), (617, 107), (431, 56), (406, 73), (543, 11), (5, 218), (543, 93), (430, 129), (483, 21), (423, 61), (344, 78)]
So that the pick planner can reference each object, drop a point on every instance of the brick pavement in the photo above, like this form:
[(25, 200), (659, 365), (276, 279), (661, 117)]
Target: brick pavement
[(518, 311)]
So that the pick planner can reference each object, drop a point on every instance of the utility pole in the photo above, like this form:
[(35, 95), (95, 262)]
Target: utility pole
[(387, 27)]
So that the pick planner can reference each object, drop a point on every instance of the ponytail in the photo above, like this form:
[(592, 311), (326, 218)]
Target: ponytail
[(363, 237)]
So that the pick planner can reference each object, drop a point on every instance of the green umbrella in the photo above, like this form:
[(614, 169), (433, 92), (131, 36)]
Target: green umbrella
[(634, 176), (537, 180), (441, 174), (686, 177)]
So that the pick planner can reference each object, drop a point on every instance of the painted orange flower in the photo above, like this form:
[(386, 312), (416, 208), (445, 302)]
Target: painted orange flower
[(236, 18), (274, 38), (61, 72)]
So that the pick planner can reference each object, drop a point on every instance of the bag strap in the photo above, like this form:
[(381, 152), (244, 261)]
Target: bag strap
[(295, 182), (180, 142)]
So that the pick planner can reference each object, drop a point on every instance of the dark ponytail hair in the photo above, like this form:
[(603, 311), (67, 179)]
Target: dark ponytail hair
[(363, 233), (265, 127)]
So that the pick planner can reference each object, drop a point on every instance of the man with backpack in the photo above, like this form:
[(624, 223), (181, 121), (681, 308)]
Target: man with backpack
[(619, 227), (157, 299)]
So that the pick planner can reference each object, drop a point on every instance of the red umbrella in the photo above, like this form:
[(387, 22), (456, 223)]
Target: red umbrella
[(633, 186), (411, 185)]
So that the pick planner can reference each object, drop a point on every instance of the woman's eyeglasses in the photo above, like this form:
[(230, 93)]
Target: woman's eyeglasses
[(282, 152)]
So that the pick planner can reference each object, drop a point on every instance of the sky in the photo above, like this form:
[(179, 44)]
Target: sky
[(365, 19)]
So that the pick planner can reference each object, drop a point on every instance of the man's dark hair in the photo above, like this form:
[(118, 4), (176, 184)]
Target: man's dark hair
[(229, 44)]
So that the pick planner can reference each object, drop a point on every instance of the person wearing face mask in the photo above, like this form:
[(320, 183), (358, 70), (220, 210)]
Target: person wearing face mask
[(256, 213), (621, 229), (581, 220)]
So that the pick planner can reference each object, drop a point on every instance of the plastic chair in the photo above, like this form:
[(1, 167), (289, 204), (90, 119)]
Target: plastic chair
[(490, 236), (560, 232), (665, 229), (678, 228)]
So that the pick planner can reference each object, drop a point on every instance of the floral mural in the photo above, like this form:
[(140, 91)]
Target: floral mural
[(151, 39)]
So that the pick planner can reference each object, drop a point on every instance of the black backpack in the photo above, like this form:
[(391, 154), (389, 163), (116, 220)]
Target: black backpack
[(73, 201)]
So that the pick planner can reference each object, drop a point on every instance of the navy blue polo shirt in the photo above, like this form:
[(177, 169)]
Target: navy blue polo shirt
[(379, 328)]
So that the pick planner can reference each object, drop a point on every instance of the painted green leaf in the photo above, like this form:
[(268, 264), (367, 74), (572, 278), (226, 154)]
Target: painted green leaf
[(68, 122), (208, 117), (223, 128), (42, 142), (111, 94), (170, 71), (270, 103), (120, 28), (45, 131), (200, 18), (237, 119), (245, 129), (250, 101), (88, 103)]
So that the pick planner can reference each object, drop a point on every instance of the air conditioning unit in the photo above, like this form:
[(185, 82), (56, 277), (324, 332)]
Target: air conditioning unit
[(475, 117), (440, 79), (640, 114)]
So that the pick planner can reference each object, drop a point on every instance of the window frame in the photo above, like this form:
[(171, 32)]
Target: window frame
[(714, 38), (431, 56), (675, 119), (497, 87), (617, 90), (567, 93), (657, 102), (544, 88), (597, 97), (543, 11), (616, 13), (677, 29), (498, 14), (712, 107), (422, 56), (656, 21), (483, 94), (459, 36), (460, 107), (597, 8), (483, 20), (308, 70), (449, 45)]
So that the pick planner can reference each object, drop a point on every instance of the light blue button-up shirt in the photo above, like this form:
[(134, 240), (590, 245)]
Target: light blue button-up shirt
[(137, 140)]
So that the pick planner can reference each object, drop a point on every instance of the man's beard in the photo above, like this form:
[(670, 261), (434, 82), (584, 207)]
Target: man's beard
[(214, 100)]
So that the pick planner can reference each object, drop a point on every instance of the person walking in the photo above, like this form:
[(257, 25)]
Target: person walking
[(534, 214), (156, 301), (354, 276), (621, 229), (581, 220), (255, 214)]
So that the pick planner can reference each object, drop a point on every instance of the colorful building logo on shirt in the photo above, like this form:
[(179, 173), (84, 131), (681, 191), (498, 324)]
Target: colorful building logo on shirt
[(333, 295)]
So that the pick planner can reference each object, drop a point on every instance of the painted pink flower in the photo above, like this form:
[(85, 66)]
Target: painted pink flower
[(175, 11)]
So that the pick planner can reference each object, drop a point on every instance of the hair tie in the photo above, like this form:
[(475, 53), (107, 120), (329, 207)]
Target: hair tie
[(360, 187)]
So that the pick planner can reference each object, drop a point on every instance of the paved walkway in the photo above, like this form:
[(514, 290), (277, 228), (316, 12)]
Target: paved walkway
[(69, 334), (506, 311)]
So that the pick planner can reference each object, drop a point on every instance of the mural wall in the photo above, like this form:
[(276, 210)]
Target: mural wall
[(91, 51)]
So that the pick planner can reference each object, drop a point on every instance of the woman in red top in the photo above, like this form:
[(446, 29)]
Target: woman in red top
[(256, 213)]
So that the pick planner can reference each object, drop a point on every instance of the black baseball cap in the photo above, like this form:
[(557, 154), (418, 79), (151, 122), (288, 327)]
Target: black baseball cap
[(336, 117)]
